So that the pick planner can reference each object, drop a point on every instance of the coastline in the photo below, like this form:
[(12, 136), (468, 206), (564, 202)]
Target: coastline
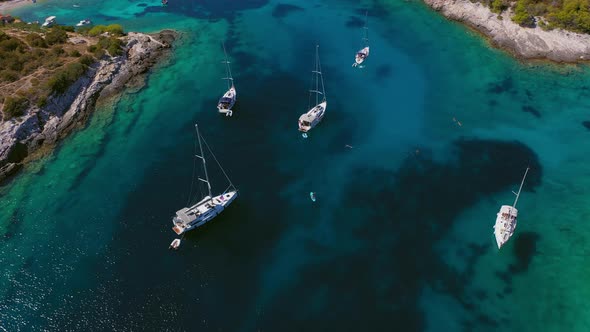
[(33, 135), (7, 6), (526, 43)]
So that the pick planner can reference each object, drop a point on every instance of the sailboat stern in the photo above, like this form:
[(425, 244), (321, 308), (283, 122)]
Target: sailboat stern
[(310, 119), (361, 55), (227, 102)]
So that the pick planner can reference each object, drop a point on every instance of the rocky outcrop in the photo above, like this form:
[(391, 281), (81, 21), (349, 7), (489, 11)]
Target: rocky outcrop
[(21, 137), (530, 43)]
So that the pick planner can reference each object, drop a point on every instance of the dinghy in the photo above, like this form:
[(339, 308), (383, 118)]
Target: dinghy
[(175, 244)]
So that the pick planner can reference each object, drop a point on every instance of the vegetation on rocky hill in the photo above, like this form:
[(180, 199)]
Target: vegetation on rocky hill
[(36, 62), (571, 15)]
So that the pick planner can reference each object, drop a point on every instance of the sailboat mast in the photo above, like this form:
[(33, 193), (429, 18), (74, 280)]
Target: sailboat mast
[(519, 189), (227, 69), (317, 59), (202, 156), (366, 30)]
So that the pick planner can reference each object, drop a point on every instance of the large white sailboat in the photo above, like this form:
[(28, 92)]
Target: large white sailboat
[(309, 120), (506, 219), (225, 104), (207, 207), (363, 53)]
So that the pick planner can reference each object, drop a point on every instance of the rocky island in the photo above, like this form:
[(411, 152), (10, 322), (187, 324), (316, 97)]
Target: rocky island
[(51, 80), (528, 30)]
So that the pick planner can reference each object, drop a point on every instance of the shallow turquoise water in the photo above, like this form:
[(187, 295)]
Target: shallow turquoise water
[(400, 236)]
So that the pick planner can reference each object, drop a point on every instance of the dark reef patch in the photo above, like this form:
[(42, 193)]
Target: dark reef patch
[(398, 255), (142, 4), (525, 248), (355, 22), (505, 85), (283, 10), (531, 110), (586, 124), (383, 72)]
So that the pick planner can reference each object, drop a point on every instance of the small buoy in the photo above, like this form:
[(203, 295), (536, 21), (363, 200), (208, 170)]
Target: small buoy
[(304, 135), (312, 196)]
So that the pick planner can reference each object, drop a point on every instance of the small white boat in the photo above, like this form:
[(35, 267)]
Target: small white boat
[(309, 120), (208, 207), (50, 21), (228, 100), (175, 244), (83, 23), (506, 219), (363, 53)]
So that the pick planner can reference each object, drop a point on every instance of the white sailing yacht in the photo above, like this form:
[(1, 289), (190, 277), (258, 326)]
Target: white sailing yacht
[(229, 98), (208, 207), (310, 119), (363, 53), (506, 219)]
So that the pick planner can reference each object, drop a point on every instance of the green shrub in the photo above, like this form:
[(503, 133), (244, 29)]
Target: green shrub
[(35, 40), (113, 29), (57, 50), (9, 75), (96, 30), (42, 101), (86, 60), (14, 106), (62, 80), (56, 36), (75, 53)]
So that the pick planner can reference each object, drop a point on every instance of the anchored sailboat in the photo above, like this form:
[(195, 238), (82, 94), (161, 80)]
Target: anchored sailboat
[(208, 207), (506, 219), (229, 98), (363, 53), (310, 119)]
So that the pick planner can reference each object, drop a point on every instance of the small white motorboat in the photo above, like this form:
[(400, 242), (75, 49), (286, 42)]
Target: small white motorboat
[(175, 244), (83, 23), (50, 21)]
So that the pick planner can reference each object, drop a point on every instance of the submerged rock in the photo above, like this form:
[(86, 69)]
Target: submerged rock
[(20, 137)]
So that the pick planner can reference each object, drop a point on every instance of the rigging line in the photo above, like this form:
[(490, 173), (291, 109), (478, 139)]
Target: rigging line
[(227, 69), (321, 76), (218, 164), (190, 194)]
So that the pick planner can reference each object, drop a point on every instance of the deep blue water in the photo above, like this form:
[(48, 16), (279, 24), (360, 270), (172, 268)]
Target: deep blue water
[(400, 237)]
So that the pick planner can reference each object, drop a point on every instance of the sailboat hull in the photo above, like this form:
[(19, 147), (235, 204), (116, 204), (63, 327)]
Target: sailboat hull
[(227, 102), (505, 224), (195, 216), (311, 119), (361, 56)]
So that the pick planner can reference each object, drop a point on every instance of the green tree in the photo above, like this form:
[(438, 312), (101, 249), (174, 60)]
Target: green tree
[(14, 107)]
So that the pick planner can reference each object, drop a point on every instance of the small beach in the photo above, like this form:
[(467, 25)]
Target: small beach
[(8, 6)]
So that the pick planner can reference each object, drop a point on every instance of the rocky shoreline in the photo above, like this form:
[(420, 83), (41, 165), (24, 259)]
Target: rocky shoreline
[(20, 138), (528, 43)]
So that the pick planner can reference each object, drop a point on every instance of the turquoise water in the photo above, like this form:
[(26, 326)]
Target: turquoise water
[(400, 237)]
